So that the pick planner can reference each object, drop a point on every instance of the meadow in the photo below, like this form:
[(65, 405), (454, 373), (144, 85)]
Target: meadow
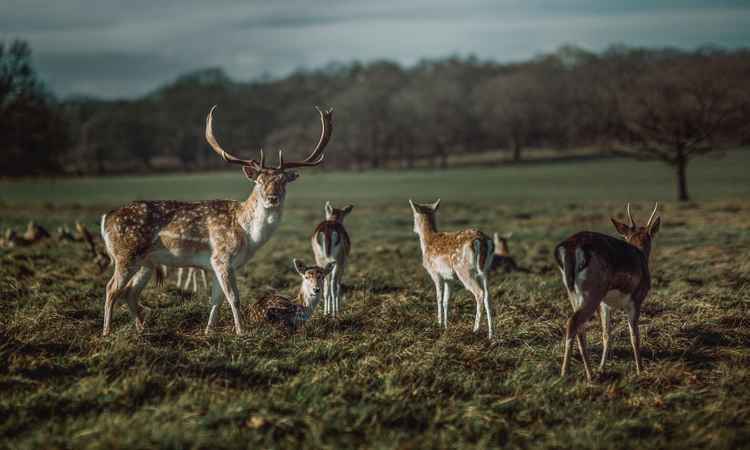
[(384, 375)]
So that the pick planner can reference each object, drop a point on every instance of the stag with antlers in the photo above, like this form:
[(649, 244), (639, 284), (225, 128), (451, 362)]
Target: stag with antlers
[(219, 236), (602, 272)]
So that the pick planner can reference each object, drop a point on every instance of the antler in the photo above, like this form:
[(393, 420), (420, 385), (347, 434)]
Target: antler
[(656, 205), (223, 153), (632, 222), (317, 156)]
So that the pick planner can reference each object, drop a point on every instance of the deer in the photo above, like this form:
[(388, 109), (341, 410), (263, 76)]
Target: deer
[(502, 259), (283, 311), (602, 272), (331, 243), (191, 277), (34, 233), (219, 236), (465, 254)]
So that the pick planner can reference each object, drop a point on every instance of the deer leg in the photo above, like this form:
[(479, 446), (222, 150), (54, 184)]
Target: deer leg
[(576, 321), (217, 296), (439, 292), (228, 283), (446, 297), (327, 294), (635, 336), (487, 309), (116, 286), (337, 286), (604, 313), (334, 291), (473, 286), (135, 287), (203, 277), (179, 278), (192, 275)]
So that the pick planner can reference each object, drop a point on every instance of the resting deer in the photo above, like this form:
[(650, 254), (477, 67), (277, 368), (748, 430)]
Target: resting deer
[(466, 254), (330, 243), (216, 235), (33, 234), (502, 259), (603, 272), (284, 311)]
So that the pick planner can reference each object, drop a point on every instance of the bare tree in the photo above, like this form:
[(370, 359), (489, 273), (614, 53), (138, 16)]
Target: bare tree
[(674, 109)]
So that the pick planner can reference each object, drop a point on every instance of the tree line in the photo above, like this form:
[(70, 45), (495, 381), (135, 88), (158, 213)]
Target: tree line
[(662, 104)]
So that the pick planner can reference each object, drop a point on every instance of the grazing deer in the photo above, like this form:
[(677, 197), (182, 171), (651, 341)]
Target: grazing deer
[(35, 232), (603, 272), (284, 311), (216, 235), (330, 243), (466, 254)]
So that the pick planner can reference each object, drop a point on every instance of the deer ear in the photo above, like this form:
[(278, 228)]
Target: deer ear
[(329, 208), (348, 209), (435, 205), (329, 267), (413, 207), (299, 266), (654, 227), (291, 176), (621, 228), (250, 172)]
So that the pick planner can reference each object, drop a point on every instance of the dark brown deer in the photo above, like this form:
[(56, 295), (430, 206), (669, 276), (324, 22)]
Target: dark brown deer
[(602, 272), (219, 236)]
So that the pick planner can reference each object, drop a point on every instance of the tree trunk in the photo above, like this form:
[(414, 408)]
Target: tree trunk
[(516, 151), (682, 193)]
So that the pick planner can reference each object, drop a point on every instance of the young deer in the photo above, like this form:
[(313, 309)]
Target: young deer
[(466, 254), (216, 235), (603, 272), (284, 311), (330, 243)]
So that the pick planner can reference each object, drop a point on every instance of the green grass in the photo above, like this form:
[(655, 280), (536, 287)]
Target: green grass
[(385, 375)]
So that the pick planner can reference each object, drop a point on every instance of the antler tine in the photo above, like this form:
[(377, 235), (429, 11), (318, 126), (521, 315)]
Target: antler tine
[(653, 213), (317, 156), (632, 222), (223, 153), (281, 158)]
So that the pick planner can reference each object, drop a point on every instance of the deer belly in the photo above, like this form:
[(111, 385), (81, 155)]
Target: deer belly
[(617, 299)]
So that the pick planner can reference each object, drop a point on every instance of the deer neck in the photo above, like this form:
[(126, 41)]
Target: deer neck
[(426, 230), (258, 220), (304, 301)]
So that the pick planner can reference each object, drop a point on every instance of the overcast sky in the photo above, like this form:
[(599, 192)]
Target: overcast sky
[(126, 48)]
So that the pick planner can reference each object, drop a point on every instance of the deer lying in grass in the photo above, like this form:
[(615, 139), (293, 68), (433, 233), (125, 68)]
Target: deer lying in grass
[(34, 233), (603, 272), (464, 254), (216, 235), (502, 259), (283, 311), (330, 243)]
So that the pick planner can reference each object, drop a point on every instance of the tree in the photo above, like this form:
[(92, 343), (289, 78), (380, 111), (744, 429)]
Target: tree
[(678, 107), (33, 133)]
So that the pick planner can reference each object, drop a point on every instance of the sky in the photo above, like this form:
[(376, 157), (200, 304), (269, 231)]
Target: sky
[(125, 49)]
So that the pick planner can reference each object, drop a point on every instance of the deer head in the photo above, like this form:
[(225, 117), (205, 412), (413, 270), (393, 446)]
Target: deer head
[(335, 214), (639, 236), (271, 181), (424, 215), (313, 278)]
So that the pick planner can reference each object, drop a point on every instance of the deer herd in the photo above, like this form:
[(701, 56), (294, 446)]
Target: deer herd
[(218, 237)]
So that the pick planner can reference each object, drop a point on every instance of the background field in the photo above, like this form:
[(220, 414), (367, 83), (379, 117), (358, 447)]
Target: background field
[(384, 375)]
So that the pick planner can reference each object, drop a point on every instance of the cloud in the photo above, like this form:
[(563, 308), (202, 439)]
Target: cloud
[(124, 49)]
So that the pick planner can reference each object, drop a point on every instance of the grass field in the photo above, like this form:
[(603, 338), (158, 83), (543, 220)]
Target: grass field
[(384, 375)]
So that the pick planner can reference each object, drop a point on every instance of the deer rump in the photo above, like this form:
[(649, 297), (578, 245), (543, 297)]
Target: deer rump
[(574, 254), (330, 236)]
